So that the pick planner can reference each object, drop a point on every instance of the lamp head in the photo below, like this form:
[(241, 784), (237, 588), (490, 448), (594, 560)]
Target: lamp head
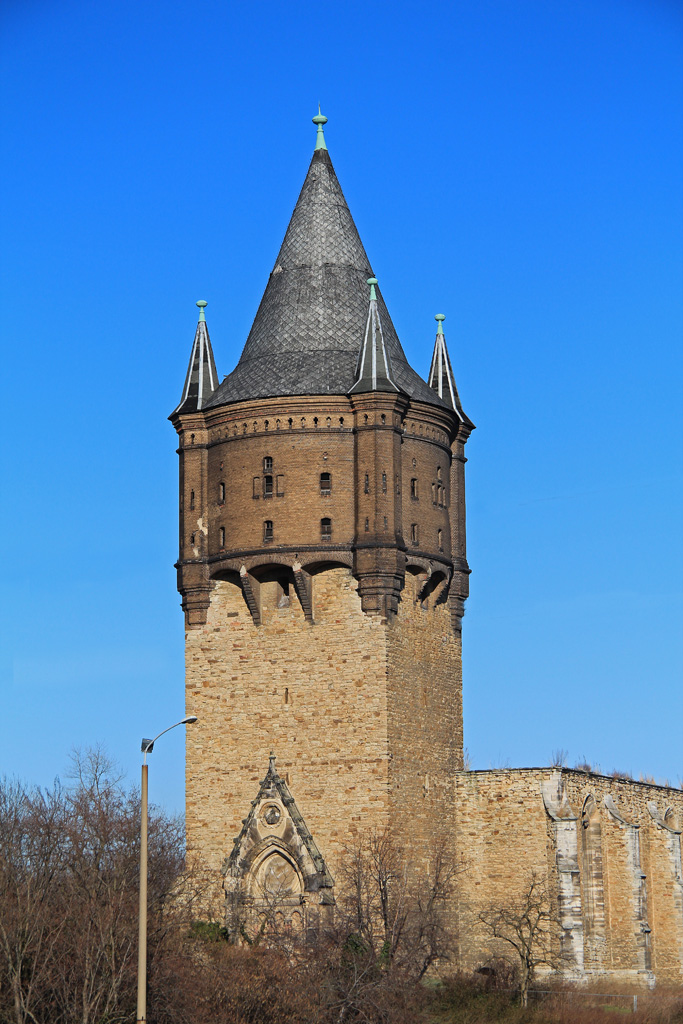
[(190, 720)]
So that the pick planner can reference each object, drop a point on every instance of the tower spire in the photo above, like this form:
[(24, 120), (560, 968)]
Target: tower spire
[(441, 377), (320, 120), (373, 372), (201, 380)]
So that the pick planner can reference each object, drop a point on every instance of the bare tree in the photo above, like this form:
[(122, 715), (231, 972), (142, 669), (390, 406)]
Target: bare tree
[(69, 870), (529, 928)]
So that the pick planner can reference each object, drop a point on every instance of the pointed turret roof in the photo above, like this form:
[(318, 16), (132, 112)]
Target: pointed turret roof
[(373, 372), (441, 377), (202, 379), (312, 317)]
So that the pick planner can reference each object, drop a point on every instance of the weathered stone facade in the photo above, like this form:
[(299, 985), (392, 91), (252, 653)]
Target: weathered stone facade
[(323, 574), (610, 850)]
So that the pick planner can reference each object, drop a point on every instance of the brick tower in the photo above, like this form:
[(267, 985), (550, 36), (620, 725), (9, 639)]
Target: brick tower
[(322, 569)]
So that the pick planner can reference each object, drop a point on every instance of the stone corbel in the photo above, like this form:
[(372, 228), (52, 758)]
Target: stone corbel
[(661, 822), (252, 594)]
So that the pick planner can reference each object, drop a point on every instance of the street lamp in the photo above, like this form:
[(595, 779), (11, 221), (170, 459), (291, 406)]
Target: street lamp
[(147, 748)]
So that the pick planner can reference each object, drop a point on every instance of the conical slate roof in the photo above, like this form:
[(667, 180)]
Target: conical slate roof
[(311, 322)]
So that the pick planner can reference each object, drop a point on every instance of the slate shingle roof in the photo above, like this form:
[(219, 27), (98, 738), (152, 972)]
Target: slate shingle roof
[(310, 325)]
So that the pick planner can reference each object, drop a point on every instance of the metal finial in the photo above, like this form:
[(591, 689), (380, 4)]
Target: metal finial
[(439, 319), (272, 759), (320, 120), (372, 281), (202, 304)]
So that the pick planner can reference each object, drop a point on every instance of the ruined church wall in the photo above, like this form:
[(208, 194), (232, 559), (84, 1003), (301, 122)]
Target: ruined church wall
[(617, 887)]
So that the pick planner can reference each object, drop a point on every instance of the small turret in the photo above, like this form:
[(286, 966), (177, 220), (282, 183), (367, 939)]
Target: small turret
[(441, 377), (373, 372), (202, 379)]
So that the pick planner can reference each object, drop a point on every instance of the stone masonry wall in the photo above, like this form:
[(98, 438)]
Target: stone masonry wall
[(363, 715), (611, 866)]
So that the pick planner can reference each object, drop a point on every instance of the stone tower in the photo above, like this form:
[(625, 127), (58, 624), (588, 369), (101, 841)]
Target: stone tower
[(322, 567)]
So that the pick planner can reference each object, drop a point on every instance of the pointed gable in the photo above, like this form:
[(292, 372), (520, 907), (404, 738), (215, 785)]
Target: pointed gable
[(274, 823), (201, 380), (311, 320)]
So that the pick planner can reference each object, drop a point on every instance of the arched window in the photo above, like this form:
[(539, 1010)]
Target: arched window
[(268, 464), (438, 472), (325, 483), (221, 537), (221, 493), (268, 530), (325, 529), (268, 486)]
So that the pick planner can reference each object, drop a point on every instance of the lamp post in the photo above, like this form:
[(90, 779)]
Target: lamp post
[(147, 748)]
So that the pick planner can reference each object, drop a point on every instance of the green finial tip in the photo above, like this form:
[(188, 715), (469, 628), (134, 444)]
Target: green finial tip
[(201, 305), (320, 120), (439, 319), (372, 281)]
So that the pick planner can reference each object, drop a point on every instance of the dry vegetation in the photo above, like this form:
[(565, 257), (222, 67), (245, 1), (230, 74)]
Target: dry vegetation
[(68, 933)]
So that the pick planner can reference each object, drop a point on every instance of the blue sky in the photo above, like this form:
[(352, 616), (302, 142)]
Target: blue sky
[(516, 166)]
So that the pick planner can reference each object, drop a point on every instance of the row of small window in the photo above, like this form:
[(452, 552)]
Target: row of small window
[(268, 533), (438, 490), (326, 532)]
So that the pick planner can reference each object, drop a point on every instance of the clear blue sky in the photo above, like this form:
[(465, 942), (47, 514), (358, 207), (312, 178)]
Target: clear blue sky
[(515, 165)]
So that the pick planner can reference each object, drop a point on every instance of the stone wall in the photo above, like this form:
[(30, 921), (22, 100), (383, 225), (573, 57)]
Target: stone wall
[(364, 715), (608, 849)]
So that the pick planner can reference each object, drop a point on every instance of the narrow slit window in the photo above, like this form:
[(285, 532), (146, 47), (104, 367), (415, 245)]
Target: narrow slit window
[(221, 537), (325, 483), (434, 494), (386, 524), (414, 536), (439, 535), (367, 525), (280, 483), (384, 483), (193, 538), (268, 530), (413, 488), (325, 529), (257, 487), (397, 484), (438, 472), (367, 483), (268, 486), (221, 493), (191, 499)]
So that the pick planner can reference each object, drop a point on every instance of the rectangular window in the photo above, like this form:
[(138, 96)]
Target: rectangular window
[(413, 489), (268, 530), (325, 483), (267, 464), (280, 480), (268, 486), (325, 529), (221, 493)]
